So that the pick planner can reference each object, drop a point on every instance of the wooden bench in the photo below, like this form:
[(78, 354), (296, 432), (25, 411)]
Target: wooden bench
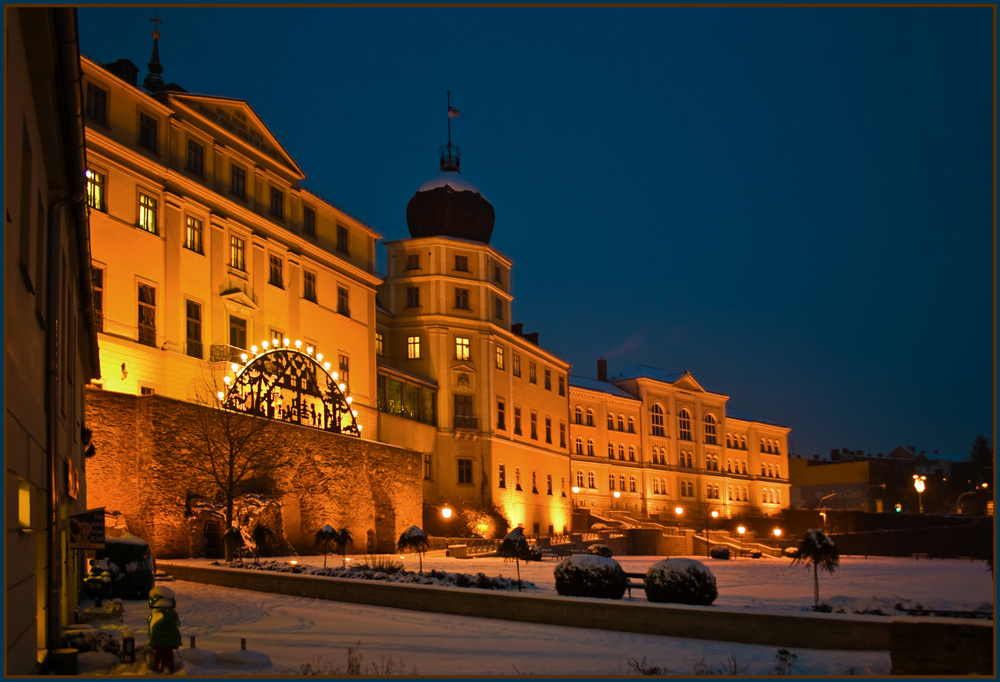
[(641, 577), (920, 555)]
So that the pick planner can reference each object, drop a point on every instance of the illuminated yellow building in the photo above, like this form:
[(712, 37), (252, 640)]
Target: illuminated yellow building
[(662, 442), (205, 243), (497, 431)]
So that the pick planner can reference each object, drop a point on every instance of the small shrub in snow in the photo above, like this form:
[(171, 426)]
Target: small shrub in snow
[(791, 552), (590, 575), (756, 554), (598, 526), (600, 550), (92, 640), (719, 553), (680, 581)]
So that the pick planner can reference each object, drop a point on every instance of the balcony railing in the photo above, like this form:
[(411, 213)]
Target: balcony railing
[(144, 334), (219, 352), (466, 422), (147, 335), (195, 349)]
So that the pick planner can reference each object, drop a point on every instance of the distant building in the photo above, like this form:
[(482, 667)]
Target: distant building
[(50, 346)]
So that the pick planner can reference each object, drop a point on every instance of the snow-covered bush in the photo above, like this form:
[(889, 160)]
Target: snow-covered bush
[(791, 552), (598, 526), (590, 575), (719, 552), (92, 640), (600, 550), (680, 581), (756, 554)]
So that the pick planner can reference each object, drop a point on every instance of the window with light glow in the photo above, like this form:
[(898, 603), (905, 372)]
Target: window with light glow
[(500, 358), (23, 503), (193, 235), (462, 348), (96, 190), (147, 212), (238, 253), (413, 347)]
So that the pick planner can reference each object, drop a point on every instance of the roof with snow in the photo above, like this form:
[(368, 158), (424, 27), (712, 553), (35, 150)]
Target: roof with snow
[(747, 417), (453, 180), (602, 386), (646, 372)]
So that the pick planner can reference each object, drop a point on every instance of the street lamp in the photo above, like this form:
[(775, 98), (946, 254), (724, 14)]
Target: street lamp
[(679, 510), (918, 483), (446, 512), (708, 540), (741, 530), (616, 495)]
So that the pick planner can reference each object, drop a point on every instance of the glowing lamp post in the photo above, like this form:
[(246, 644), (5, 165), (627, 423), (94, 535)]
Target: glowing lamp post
[(741, 530), (446, 512), (918, 483), (679, 511), (708, 540), (777, 533)]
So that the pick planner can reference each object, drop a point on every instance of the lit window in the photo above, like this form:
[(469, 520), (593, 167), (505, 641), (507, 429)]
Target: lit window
[(516, 369), (413, 347), (502, 477), (193, 311), (462, 348), (237, 253), (500, 357), (308, 221), (379, 344), (147, 213), (684, 425), (23, 503), (193, 235), (96, 190), (656, 418), (710, 429), (147, 315), (309, 285), (275, 271)]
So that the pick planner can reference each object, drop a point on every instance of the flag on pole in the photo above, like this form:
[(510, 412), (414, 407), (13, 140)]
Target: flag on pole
[(453, 113)]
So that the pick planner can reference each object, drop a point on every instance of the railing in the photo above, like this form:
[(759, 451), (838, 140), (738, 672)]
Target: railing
[(219, 352), (144, 334), (147, 335), (466, 422)]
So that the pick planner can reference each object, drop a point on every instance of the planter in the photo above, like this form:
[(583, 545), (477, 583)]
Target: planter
[(64, 661)]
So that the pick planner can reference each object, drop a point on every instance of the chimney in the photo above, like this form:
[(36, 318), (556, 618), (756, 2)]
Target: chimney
[(532, 337), (602, 369), (517, 328)]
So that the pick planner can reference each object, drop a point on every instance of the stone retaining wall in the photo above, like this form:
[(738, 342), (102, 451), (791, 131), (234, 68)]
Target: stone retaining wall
[(942, 646), (815, 631)]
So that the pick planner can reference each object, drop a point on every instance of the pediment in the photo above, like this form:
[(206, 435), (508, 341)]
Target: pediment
[(463, 378), (239, 119), (687, 382), (239, 302)]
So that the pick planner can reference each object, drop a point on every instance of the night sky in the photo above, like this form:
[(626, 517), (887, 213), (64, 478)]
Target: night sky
[(793, 204)]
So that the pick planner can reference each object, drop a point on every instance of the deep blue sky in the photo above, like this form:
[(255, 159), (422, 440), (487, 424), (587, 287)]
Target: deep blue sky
[(793, 204)]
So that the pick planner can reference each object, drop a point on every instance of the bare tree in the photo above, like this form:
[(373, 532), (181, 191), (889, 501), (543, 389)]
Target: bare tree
[(232, 452)]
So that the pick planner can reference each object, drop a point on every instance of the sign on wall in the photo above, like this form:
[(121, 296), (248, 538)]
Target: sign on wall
[(86, 529)]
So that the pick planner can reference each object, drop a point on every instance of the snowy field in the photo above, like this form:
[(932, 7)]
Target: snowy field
[(295, 632)]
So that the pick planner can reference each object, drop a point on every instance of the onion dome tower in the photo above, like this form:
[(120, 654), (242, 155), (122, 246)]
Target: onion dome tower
[(449, 205)]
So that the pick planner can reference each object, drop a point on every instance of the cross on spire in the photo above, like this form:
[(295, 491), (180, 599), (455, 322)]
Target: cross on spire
[(156, 26)]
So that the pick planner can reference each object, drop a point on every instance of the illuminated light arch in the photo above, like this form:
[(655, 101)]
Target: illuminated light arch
[(290, 385)]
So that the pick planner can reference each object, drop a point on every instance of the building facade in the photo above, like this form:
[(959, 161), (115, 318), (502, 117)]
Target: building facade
[(50, 347)]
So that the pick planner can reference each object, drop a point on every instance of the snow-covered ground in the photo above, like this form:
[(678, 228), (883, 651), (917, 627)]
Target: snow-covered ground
[(295, 631)]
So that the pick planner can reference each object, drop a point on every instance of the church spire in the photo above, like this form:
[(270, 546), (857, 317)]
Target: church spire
[(153, 81)]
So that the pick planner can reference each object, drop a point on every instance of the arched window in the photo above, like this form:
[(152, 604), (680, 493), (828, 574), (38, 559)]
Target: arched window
[(631, 453), (710, 429), (579, 478), (656, 486), (684, 425), (777, 447), (590, 480), (631, 424), (578, 415), (778, 495), (776, 474), (656, 419), (590, 417), (611, 421), (729, 492), (708, 492), (729, 464), (611, 450), (743, 443), (746, 497), (590, 447), (621, 451), (744, 466), (763, 445), (770, 471), (763, 469), (579, 446), (770, 496), (611, 481), (631, 484), (715, 491), (621, 422), (621, 482), (763, 497)]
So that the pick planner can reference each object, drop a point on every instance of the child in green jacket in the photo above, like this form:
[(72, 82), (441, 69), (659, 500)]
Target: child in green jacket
[(164, 627)]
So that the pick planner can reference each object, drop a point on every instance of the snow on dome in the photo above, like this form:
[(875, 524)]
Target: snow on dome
[(327, 529), (164, 592), (453, 180), (413, 532)]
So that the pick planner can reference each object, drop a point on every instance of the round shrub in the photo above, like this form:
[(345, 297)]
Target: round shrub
[(791, 552), (598, 526), (680, 581), (590, 575), (600, 550), (719, 552), (756, 554)]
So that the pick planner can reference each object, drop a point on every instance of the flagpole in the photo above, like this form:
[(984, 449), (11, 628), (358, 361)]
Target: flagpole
[(449, 119)]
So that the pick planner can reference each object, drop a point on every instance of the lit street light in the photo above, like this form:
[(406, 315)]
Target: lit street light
[(741, 530), (918, 483), (708, 539), (446, 512)]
